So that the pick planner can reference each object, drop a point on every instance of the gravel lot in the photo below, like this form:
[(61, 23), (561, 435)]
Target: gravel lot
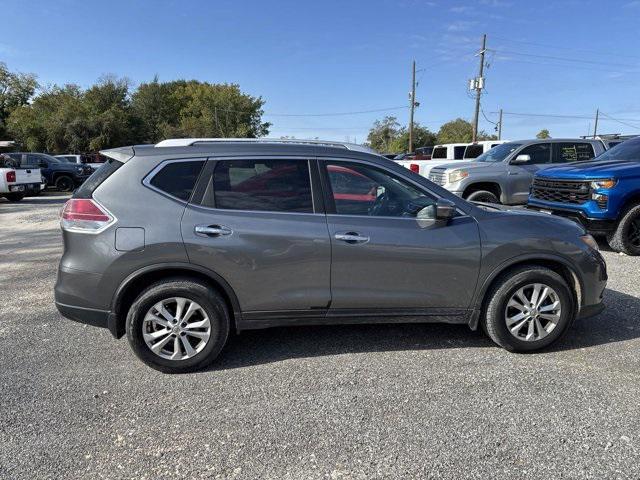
[(397, 401)]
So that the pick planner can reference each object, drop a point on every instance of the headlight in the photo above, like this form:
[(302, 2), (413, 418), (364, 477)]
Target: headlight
[(590, 241), (604, 183), (457, 175)]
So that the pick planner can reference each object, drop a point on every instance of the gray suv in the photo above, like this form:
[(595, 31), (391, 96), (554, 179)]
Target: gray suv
[(504, 173), (180, 244)]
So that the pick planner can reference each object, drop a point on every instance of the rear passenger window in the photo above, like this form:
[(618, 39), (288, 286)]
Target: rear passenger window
[(178, 178), (458, 152), (572, 152), (264, 185)]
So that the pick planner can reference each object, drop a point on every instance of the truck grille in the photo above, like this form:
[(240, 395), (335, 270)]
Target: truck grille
[(437, 177), (560, 191)]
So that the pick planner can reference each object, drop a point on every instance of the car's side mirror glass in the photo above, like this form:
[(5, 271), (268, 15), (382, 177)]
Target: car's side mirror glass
[(521, 159), (443, 211)]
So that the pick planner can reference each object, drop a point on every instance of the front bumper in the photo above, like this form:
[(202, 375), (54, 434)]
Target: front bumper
[(595, 226)]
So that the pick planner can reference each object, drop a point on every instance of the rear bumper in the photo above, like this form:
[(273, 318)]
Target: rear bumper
[(90, 316)]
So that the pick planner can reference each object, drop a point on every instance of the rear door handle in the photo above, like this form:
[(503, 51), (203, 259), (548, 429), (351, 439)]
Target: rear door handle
[(351, 237), (212, 230)]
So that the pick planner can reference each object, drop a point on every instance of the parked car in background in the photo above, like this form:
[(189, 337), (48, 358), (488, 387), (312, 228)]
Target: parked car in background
[(603, 195), (17, 182), (82, 159), (504, 173), (423, 153), (62, 175), (474, 150), (180, 244)]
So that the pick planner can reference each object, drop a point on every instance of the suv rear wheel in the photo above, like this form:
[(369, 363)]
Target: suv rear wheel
[(528, 309), (178, 325), (626, 237)]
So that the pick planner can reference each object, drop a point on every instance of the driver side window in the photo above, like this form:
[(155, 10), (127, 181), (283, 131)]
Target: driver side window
[(358, 189)]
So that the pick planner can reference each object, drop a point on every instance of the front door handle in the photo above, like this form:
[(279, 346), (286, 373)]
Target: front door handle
[(351, 237), (212, 230), (513, 173)]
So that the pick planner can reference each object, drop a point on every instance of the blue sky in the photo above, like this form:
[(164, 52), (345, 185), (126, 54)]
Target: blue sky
[(562, 57)]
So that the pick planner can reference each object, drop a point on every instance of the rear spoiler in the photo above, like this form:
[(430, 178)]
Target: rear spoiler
[(121, 154)]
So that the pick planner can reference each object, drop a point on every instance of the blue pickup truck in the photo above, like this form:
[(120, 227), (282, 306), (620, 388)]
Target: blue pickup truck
[(602, 194)]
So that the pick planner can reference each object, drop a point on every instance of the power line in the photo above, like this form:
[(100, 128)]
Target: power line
[(556, 47), (565, 59), (620, 121), (334, 114)]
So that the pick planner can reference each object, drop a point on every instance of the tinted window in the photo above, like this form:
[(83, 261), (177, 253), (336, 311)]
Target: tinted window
[(439, 152), (100, 175), (627, 150), (265, 185), (572, 152), (539, 153), (473, 151), (458, 152), (362, 190), (176, 178)]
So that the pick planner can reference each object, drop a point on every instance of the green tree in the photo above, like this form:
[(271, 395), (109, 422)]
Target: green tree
[(16, 89), (422, 137), (383, 134), (544, 133), (460, 131)]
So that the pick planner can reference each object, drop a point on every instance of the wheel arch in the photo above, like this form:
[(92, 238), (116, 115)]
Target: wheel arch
[(556, 263), (493, 187), (133, 284)]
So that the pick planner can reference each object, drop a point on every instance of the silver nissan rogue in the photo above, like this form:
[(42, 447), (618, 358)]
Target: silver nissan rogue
[(181, 243)]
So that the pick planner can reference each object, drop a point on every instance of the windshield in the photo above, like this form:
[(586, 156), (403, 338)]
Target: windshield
[(628, 150), (499, 153)]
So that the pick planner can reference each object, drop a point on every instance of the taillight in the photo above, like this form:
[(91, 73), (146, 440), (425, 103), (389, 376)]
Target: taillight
[(11, 176), (85, 215), (414, 167)]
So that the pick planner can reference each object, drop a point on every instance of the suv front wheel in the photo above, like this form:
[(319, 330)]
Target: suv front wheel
[(528, 309), (178, 325)]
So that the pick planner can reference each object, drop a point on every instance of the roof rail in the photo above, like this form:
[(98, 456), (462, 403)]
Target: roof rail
[(187, 142)]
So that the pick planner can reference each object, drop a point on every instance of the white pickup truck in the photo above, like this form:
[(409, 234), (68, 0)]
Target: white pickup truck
[(449, 153), (17, 182)]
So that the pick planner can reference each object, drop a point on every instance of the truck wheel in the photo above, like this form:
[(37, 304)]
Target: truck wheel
[(528, 309), (64, 183), (14, 197), (178, 325), (626, 237), (483, 196)]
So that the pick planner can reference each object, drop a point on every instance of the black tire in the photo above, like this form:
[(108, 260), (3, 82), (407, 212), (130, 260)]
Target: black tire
[(64, 183), (212, 303), (626, 237), (484, 196), (495, 313), (14, 197)]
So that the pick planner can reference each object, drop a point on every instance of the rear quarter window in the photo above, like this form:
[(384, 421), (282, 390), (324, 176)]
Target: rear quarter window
[(177, 178), (473, 151), (440, 152), (100, 175)]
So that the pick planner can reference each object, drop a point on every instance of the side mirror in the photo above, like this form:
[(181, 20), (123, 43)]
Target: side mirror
[(521, 159), (445, 209), (440, 212)]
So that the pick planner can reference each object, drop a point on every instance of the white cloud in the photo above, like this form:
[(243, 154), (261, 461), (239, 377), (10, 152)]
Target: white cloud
[(461, 26)]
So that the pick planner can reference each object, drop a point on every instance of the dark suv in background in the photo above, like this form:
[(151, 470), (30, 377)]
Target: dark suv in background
[(62, 175), (176, 245)]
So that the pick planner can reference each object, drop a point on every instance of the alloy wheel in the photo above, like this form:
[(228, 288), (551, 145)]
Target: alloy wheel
[(176, 328), (532, 312), (634, 232)]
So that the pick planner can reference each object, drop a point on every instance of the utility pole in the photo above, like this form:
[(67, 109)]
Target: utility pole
[(595, 126), (478, 85), (412, 105), (500, 126)]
